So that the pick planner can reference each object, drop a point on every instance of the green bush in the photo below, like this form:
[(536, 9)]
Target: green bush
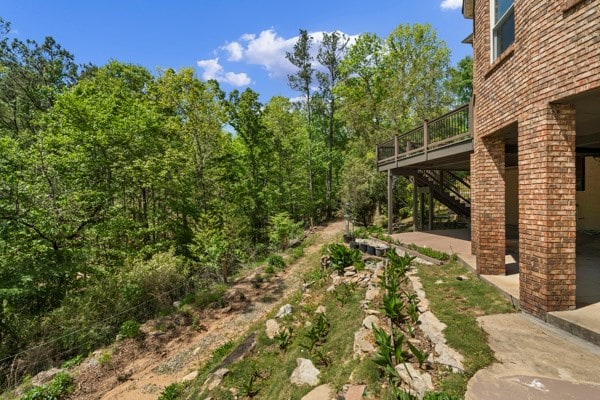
[(60, 387), (341, 257), (283, 229), (130, 330), (172, 392), (276, 261)]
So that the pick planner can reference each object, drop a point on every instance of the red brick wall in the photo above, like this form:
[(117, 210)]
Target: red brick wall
[(547, 209), (556, 55)]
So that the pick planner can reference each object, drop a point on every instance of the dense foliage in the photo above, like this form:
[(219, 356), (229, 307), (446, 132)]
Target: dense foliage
[(122, 191)]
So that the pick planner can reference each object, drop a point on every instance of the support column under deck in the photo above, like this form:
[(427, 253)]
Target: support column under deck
[(390, 202), (490, 218), (547, 209)]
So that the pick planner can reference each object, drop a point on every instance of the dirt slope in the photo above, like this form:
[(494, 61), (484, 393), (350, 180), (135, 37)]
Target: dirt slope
[(142, 369)]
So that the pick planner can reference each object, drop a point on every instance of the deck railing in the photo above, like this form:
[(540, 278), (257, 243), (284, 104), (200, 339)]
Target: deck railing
[(451, 128)]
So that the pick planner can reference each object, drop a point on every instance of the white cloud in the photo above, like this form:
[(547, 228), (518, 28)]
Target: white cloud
[(241, 79), (214, 70), (235, 50), (451, 4), (268, 50)]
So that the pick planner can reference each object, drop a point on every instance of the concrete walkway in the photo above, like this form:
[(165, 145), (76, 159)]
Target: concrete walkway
[(458, 242), (535, 361)]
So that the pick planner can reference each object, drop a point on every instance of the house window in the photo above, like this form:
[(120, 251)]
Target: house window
[(503, 26)]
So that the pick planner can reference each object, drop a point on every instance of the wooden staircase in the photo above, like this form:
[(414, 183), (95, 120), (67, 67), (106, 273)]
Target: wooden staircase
[(448, 188)]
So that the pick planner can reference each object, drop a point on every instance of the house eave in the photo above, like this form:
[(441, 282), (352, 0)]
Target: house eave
[(468, 9)]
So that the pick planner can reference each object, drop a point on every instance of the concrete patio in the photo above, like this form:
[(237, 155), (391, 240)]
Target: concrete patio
[(583, 322)]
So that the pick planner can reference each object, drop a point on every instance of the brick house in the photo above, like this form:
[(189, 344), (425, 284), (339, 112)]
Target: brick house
[(533, 147), (536, 118)]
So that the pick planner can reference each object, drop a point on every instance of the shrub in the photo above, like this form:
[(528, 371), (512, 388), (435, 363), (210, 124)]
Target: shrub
[(342, 257), (60, 387), (276, 261), (172, 392), (283, 229), (130, 330)]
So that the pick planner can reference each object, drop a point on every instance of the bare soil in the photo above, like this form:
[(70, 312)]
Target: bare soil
[(172, 347)]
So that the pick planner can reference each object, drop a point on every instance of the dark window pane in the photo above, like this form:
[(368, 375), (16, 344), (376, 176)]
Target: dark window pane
[(506, 33), (501, 7)]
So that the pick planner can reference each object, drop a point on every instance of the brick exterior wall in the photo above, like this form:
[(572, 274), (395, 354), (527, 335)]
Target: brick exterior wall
[(489, 212), (547, 213), (556, 55)]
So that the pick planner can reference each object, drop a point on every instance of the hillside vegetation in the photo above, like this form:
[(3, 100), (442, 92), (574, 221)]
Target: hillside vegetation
[(122, 191)]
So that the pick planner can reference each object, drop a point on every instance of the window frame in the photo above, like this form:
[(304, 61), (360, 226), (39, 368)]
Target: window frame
[(495, 27)]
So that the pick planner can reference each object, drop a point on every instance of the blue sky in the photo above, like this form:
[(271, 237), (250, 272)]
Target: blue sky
[(241, 43)]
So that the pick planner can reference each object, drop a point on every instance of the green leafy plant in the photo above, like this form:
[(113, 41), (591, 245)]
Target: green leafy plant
[(269, 270), (130, 330), (60, 387), (73, 361), (420, 355), (284, 338), (317, 334), (283, 229), (385, 352), (341, 257), (393, 307), (343, 292), (276, 261), (172, 392)]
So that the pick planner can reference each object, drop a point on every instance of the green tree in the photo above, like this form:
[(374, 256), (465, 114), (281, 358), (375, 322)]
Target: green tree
[(287, 130), (302, 81), (330, 55), (245, 116), (460, 83)]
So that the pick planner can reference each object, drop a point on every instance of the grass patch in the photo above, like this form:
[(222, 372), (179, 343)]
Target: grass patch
[(264, 374), (458, 303), (429, 252)]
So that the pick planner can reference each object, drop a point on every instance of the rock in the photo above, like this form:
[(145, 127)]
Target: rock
[(321, 310), (215, 379), (272, 328), (439, 282), (372, 312), (241, 351), (330, 288), (45, 376), (433, 328), (284, 310), (355, 392), (305, 373), (323, 392), (349, 273), (351, 268), (370, 321), (419, 382), (372, 293), (177, 304), (362, 343), (190, 377)]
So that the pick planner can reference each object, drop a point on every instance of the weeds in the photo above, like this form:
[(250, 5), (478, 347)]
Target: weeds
[(284, 338), (317, 334)]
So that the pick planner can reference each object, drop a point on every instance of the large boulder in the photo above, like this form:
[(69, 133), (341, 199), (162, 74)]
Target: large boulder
[(305, 373)]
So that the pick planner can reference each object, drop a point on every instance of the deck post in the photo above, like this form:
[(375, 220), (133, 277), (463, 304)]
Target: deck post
[(390, 205), (426, 136), (415, 203), (431, 212), (422, 211)]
